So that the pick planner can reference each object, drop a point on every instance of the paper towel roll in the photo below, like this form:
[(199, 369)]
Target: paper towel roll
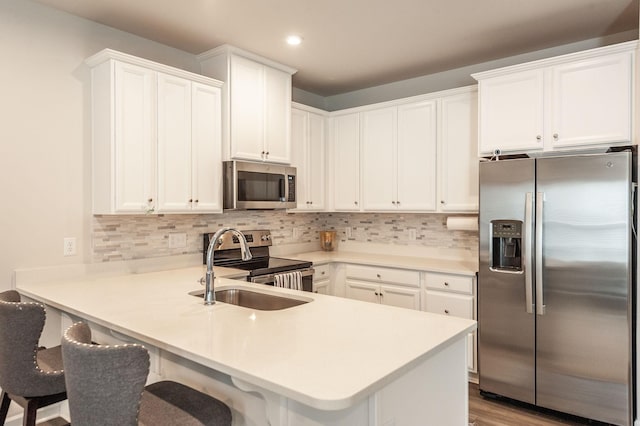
[(462, 223)]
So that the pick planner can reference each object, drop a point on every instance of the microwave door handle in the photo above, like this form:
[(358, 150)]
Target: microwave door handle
[(283, 188)]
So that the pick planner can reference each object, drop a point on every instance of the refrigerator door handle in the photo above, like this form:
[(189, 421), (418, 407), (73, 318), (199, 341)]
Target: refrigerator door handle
[(540, 306), (528, 251)]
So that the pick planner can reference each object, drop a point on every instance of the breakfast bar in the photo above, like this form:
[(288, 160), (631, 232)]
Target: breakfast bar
[(329, 360)]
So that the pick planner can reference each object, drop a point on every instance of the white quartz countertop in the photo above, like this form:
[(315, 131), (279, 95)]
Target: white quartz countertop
[(329, 353), (418, 263)]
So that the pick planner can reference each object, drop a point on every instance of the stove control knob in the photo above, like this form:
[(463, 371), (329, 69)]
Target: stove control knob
[(265, 238)]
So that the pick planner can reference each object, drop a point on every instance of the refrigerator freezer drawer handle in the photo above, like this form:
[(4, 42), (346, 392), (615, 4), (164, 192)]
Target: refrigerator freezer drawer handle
[(528, 246), (540, 306)]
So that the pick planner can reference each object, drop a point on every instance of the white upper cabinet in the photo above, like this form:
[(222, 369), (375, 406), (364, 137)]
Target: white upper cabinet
[(308, 156), (156, 137), (457, 158), (416, 157), (256, 104), (379, 159), (573, 101), (345, 162), (511, 112), (123, 156), (189, 161), (399, 158)]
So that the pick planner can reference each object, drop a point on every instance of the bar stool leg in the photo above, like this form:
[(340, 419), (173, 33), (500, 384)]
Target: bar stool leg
[(4, 408), (30, 413)]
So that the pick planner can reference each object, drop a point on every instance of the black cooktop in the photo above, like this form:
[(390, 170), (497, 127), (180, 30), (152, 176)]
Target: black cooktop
[(268, 265)]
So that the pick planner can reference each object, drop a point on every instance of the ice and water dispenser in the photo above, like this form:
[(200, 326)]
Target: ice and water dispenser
[(506, 245)]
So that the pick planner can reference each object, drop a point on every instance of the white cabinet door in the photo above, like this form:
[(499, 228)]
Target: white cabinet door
[(308, 156), (379, 159), (316, 162), (174, 144), (134, 140), (591, 101), (457, 154), (400, 296), (346, 162), (206, 146), (247, 109), (362, 291), (416, 157), (277, 113), (322, 287), (511, 112)]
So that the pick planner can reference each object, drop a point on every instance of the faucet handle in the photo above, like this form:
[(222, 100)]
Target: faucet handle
[(202, 280)]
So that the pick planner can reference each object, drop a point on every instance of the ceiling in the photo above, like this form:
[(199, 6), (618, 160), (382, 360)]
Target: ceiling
[(354, 44)]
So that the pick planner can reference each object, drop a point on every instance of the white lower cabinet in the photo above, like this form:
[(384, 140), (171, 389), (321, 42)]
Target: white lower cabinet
[(387, 286), (454, 295), (322, 279)]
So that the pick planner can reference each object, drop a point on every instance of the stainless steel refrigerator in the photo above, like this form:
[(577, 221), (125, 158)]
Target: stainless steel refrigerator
[(555, 297)]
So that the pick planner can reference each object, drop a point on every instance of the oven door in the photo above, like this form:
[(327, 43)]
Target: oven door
[(269, 279)]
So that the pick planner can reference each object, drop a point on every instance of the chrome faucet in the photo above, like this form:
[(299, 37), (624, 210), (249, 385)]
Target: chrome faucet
[(209, 293)]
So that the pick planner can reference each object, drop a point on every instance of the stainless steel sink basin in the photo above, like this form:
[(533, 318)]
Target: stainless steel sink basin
[(252, 299)]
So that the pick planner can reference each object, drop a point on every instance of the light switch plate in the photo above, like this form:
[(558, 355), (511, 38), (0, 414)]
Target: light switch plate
[(177, 240)]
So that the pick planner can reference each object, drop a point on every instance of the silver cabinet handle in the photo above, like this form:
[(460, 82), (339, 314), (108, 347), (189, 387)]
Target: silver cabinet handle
[(527, 246), (446, 311), (540, 306), (539, 138), (555, 136), (378, 275)]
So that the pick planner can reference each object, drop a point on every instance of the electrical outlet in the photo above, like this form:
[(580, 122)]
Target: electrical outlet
[(69, 247), (347, 231), (177, 240), (412, 234)]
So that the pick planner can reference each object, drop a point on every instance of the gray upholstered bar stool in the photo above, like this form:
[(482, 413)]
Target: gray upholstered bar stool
[(30, 375), (105, 386)]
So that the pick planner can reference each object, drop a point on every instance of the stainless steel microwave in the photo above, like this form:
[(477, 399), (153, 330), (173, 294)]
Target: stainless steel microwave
[(256, 186)]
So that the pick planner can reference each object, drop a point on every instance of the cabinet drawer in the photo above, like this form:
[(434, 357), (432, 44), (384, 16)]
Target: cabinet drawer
[(322, 272), (456, 305), (397, 276), (446, 282)]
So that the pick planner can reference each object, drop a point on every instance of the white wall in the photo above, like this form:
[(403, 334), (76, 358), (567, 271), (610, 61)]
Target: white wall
[(44, 129)]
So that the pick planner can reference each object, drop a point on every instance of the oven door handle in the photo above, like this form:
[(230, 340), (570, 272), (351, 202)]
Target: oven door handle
[(269, 278)]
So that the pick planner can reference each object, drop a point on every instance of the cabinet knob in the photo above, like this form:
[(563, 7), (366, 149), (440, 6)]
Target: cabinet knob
[(446, 311), (197, 200), (441, 201), (267, 153), (398, 202), (191, 200), (446, 284), (555, 136), (376, 293), (150, 200), (393, 202), (355, 202), (322, 273), (539, 138), (378, 275), (310, 202)]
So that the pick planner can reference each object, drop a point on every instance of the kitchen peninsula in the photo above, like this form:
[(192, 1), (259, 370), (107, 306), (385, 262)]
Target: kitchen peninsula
[(329, 361)]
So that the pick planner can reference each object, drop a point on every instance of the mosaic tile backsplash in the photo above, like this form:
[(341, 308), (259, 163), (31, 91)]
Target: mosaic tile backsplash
[(140, 237)]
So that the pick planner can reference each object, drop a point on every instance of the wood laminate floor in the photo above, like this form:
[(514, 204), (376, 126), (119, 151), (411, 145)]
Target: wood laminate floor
[(490, 412)]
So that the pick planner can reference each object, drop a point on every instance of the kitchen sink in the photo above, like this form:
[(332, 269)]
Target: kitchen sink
[(252, 299)]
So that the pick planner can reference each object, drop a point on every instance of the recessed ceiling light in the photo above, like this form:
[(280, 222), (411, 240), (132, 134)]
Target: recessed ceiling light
[(294, 40)]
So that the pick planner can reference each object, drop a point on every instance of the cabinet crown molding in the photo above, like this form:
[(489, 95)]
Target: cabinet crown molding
[(110, 54), (227, 49), (626, 47)]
